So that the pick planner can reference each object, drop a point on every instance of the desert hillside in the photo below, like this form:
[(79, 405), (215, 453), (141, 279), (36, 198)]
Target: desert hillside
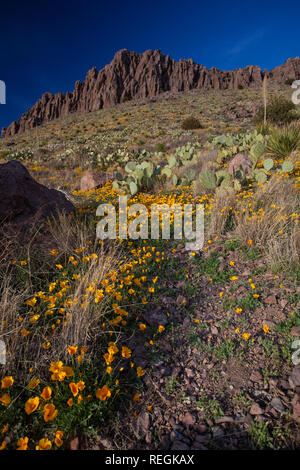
[(143, 344)]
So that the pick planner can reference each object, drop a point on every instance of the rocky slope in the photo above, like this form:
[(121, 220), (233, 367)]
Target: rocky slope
[(132, 75)]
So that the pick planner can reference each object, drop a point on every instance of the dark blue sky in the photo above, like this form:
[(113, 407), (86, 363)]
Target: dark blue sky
[(48, 45)]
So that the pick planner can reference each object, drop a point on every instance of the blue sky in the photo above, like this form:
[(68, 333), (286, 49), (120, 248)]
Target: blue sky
[(48, 45)]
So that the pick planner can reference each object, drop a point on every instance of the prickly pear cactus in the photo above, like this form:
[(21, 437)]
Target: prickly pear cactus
[(287, 167), (268, 164), (208, 179), (260, 176)]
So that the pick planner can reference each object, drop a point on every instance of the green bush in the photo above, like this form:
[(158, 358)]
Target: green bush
[(264, 129), (161, 147), (3, 154), (191, 123), (289, 81), (284, 141), (279, 111)]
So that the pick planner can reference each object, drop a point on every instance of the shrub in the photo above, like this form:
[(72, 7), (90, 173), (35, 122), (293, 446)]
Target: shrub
[(191, 123), (289, 81), (263, 129), (279, 111), (4, 154), (160, 147), (284, 141)]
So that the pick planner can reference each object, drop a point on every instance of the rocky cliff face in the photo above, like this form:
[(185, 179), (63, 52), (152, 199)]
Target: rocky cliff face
[(131, 75)]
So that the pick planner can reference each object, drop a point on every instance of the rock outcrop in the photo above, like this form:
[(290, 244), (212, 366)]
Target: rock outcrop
[(238, 162), (94, 180), (21, 197), (131, 75)]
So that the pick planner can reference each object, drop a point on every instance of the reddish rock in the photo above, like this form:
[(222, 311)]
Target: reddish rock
[(240, 161), (271, 300), (283, 303), (74, 444), (188, 419), (294, 378), (296, 408), (91, 181), (141, 425), (295, 331), (256, 409), (256, 376), (21, 197), (289, 70), (131, 75)]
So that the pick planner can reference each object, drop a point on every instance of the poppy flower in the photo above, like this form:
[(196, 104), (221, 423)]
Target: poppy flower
[(50, 412), (44, 444), (46, 393), (31, 405), (103, 393), (22, 443), (7, 382)]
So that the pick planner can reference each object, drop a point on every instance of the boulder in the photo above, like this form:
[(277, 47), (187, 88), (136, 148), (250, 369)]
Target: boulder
[(240, 161), (21, 197), (91, 181)]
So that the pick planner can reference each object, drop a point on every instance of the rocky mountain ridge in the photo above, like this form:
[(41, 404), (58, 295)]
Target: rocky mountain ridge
[(131, 75)]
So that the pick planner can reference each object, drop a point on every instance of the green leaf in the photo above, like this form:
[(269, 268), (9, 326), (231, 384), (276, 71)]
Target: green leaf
[(237, 185), (167, 171), (286, 167), (172, 161), (131, 166), (268, 164), (260, 176), (208, 179), (174, 180), (133, 188)]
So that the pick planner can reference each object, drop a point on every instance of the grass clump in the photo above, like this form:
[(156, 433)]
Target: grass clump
[(260, 436), (191, 123)]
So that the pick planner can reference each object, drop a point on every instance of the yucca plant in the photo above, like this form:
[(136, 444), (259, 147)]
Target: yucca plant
[(284, 141)]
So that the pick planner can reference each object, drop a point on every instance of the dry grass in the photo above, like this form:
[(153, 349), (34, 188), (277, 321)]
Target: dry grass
[(10, 304), (68, 234), (268, 218), (82, 323), (84, 317), (220, 213), (269, 223)]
